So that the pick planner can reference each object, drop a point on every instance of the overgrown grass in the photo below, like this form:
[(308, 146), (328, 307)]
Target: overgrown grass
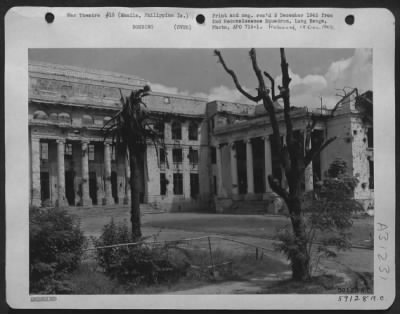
[(89, 279)]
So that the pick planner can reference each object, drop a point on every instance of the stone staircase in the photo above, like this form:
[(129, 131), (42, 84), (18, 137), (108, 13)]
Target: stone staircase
[(250, 207), (255, 207), (152, 208), (88, 211)]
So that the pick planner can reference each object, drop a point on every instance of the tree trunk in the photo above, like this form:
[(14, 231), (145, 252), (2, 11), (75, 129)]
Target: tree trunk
[(300, 261), (135, 201)]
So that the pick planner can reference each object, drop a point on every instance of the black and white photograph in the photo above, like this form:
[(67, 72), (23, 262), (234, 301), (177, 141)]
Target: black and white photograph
[(196, 166), (201, 171)]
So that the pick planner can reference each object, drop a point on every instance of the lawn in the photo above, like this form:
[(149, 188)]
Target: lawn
[(258, 226)]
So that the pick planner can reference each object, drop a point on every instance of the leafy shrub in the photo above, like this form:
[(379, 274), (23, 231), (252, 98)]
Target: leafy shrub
[(56, 245), (328, 218), (134, 264)]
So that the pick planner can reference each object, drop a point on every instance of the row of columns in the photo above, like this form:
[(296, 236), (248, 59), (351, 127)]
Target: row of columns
[(85, 198), (250, 171)]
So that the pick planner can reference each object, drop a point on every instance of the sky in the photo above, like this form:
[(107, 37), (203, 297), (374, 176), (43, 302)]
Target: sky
[(315, 73)]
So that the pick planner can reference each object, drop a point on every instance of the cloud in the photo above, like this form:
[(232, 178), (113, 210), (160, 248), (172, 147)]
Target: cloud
[(224, 93), (166, 89), (353, 72), (215, 93)]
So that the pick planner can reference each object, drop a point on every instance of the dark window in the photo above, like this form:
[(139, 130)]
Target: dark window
[(163, 184), (162, 158), (160, 127), (178, 184), (193, 156), (113, 152), (371, 174), (176, 130), (44, 186), (91, 152), (213, 155), (194, 185), (370, 136), (177, 155), (193, 131), (68, 150), (44, 151)]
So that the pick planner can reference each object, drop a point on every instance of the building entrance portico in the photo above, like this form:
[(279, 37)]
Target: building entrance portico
[(72, 172), (253, 157)]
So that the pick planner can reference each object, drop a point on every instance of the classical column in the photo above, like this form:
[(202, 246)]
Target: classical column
[(220, 190), (61, 201), (308, 175), (109, 200), (186, 173), (249, 170), (234, 174), (169, 170), (127, 198), (86, 200), (35, 160)]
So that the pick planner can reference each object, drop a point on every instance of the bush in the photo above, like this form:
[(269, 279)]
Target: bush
[(328, 218), (134, 264), (56, 246)]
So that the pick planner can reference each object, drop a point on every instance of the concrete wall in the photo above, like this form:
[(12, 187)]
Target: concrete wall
[(351, 145), (341, 147), (361, 153), (184, 202)]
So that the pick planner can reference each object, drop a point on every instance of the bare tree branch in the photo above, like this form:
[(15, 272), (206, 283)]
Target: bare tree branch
[(310, 155), (235, 79), (261, 84), (272, 84), (267, 101), (309, 128), (285, 93)]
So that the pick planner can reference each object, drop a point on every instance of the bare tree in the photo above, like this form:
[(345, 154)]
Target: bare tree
[(293, 158), (132, 129)]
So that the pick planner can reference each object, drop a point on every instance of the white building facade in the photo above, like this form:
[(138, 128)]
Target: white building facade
[(217, 154)]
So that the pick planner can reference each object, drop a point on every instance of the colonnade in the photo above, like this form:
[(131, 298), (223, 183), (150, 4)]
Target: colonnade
[(250, 170), (61, 195)]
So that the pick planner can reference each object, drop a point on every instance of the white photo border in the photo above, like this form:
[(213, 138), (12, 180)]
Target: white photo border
[(26, 28)]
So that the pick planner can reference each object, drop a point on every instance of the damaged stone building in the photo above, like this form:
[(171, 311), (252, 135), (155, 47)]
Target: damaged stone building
[(216, 157)]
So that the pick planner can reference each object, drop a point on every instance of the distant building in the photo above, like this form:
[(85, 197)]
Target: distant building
[(217, 153)]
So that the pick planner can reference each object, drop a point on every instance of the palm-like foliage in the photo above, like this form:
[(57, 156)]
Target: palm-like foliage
[(131, 129)]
